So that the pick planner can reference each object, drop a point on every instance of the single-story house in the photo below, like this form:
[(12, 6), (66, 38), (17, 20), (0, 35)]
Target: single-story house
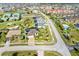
[(40, 22), (16, 16), (7, 15), (13, 33), (77, 25), (31, 33), (65, 26), (31, 36), (4, 18)]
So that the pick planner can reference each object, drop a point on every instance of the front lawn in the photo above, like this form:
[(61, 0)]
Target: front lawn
[(43, 35)]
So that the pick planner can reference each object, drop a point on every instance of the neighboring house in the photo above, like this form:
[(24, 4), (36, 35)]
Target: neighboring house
[(16, 16), (4, 18), (40, 22), (35, 11), (7, 15), (10, 17), (65, 26), (77, 25), (31, 36), (6, 9), (13, 33)]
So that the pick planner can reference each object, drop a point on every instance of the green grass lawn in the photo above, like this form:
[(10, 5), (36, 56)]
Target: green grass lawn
[(74, 35), (2, 38), (43, 35), (9, 24), (20, 53), (75, 53), (51, 53)]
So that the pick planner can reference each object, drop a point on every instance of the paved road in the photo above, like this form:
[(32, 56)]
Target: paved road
[(37, 48), (59, 46)]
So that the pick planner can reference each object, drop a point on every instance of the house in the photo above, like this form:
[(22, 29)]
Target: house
[(31, 36), (7, 15), (1, 10), (65, 26), (10, 17), (31, 33), (16, 16), (35, 11), (40, 22), (6, 9), (13, 33), (77, 25), (4, 18)]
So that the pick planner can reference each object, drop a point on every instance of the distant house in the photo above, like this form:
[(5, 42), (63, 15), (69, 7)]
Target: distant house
[(16, 16), (1, 10), (7, 15), (77, 25), (65, 26), (4, 18), (5, 9), (10, 17), (40, 22)]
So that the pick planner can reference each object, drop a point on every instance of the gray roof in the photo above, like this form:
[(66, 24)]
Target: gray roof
[(32, 32), (40, 21)]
